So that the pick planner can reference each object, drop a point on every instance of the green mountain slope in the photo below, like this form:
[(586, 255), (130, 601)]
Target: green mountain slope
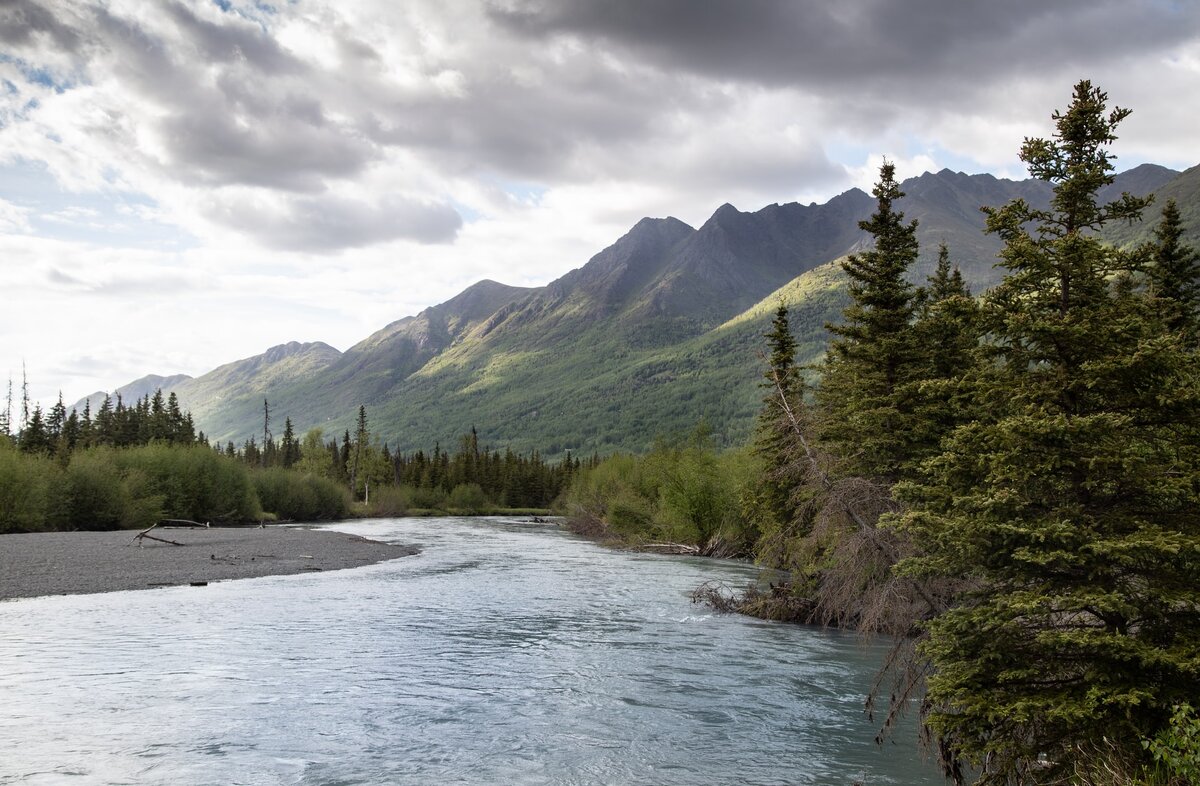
[(661, 328), (1184, 188), (139, 388)]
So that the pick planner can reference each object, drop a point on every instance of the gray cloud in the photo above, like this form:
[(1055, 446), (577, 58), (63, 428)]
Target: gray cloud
[(327, 223), (22, 22), (547, 92), (874, 46), (235, 109), (56, 276), (233, 41), (164, 283)]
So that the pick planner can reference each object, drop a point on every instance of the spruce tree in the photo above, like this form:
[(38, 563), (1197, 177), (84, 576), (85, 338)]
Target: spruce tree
[(946, 334), (783, 389), (34, 437), (873, 355), (1071, 509), (289, 448), (1175, 273), (6, 413)]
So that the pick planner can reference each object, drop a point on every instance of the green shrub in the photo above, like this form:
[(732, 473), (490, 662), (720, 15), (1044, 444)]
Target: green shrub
[(391, 501), (468, 498), (24, 484), (193, 481), (300, 497), (95, 496), (680, 493), (1176, 749), (429, 498)]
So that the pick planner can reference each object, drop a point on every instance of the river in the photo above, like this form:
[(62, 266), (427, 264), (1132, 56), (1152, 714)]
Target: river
[(505, 653)]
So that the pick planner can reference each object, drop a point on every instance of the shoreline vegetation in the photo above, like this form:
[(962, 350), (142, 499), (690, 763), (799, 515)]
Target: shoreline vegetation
[(129, 467), (1007, 484)]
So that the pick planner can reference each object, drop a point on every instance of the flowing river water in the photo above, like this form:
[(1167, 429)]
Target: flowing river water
[(504, 653)]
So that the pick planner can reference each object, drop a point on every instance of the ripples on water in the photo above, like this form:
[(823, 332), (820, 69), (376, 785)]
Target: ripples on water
[(505, 653)]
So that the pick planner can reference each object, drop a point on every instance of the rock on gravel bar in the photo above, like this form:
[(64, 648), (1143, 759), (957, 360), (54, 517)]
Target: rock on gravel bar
[(72, 563)]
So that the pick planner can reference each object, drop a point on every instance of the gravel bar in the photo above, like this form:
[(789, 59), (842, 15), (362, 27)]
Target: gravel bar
[(75, 563)]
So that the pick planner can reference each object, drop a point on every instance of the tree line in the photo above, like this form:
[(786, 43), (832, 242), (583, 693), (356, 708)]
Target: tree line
[(484, 475), (130, 465), (1008, 484), (58, 432)]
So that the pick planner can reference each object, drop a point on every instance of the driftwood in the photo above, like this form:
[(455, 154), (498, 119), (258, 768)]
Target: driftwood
[(144, 535), (668, 548)]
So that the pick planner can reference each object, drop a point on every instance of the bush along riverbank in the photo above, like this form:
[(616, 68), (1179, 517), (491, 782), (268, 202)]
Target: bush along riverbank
[(129, 467), (681, 497), (1009, 485)]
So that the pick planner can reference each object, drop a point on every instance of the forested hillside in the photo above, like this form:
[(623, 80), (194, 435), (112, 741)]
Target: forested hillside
[(651, 334)]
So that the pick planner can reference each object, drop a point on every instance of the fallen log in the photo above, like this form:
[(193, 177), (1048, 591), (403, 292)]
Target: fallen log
[(162, 540), (144, 534), (668, 548)]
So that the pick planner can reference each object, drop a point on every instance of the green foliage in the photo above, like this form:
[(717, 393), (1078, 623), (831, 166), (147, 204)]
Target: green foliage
[(428, 498), (874, 352), (783, 390), (467, 498), (97, 495), (1175, 274), (1176, 749), (682, 493), (194, 482), (24, 485), (1072, 506), (300, 497), (388, 501), (112, 488), (315, 458)]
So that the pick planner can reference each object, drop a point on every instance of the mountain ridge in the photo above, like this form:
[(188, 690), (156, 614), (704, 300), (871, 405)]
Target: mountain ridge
[(659, 327)]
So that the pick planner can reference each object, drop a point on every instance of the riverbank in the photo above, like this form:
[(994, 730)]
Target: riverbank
[(74, 563)]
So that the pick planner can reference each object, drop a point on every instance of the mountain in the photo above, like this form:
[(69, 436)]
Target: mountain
[(235, 391), (1184, 188), (657, 330), (139, 388)]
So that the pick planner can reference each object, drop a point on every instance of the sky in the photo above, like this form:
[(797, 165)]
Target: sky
[(184, 183)]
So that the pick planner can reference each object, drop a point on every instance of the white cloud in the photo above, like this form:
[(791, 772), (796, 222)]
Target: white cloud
[(228, 180)]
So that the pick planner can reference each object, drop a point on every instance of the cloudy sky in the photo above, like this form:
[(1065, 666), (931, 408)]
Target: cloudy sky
[(184, 183)]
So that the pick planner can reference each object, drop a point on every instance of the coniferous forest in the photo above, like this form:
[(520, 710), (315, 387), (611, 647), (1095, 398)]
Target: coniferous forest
[(1007, 484), (131, 466)]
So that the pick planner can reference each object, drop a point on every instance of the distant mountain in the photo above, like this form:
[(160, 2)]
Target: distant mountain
[(139, 388), (657, 330), (1184, 188)]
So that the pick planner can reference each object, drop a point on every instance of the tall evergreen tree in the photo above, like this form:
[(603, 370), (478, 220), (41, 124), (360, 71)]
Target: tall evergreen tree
[(6, 425), (873, 354), (1072, 509), (361, 435), (86, 427), (783, 393), (34, 438), (55, 420), (946, 334), (1175, 272), (289, 448)]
